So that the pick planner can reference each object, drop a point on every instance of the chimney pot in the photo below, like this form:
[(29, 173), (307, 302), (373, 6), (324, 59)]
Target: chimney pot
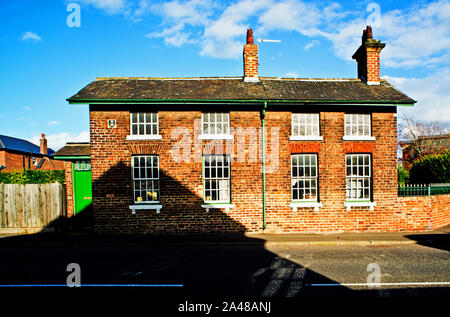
[(250, 36), (43, 147)]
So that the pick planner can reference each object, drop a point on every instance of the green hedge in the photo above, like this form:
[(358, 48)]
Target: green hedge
[(33, 177), (431, 169), (402, 175)]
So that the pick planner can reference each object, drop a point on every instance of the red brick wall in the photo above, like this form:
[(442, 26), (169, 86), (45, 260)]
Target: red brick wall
[(15, 161), (2, 158), (373, 64), (181, 182), (251, 60)]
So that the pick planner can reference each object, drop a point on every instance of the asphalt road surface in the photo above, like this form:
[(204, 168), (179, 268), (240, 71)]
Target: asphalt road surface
[(225, 271)]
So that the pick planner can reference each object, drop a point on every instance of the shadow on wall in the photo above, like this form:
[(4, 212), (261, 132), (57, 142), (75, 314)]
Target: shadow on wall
[(181, 213)]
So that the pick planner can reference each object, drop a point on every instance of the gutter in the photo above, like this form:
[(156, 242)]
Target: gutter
[(240, 101)]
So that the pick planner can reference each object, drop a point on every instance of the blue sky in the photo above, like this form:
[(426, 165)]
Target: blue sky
[(43, 61)]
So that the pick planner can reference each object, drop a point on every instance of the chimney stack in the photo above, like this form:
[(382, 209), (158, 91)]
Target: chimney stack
[(43, 140), (250, 59), (368, 58)]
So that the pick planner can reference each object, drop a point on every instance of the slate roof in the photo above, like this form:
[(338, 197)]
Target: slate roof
[(230, 89), (19, 145), (74, 149)]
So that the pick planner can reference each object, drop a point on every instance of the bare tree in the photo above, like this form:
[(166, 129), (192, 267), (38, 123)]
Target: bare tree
[(422, 138)]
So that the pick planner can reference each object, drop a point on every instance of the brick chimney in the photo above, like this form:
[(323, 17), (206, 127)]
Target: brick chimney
[(250, 59), (368, 58), (43, 140)]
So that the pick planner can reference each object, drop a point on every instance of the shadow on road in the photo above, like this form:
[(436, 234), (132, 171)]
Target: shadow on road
[(437, 241), (196, 255)]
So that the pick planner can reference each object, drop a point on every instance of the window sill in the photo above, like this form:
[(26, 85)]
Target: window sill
[(358, 138), (145, 207), (218, 206), (216, 137), (351, 204), (144, 137), (306, 204), (306, 138)]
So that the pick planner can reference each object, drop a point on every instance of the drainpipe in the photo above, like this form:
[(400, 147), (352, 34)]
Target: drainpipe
[(263, 121)]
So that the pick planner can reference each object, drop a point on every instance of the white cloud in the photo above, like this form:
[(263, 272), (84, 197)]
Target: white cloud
[(53, 122), (30, 36), (109, 6), (181, 16), (311, 44), (57, 141), (416, 36), (291, 74), (432, 94), (133, 10)]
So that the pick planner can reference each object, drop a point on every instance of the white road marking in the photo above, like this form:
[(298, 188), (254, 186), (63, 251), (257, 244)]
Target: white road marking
[(382, 284)]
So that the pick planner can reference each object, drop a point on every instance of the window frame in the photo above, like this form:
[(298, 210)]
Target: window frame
[(145, 136), (146, 179), (82, 165), (313, 125), (310, 178), (357, 124), (215, 135), (227, 159), (358, 177)]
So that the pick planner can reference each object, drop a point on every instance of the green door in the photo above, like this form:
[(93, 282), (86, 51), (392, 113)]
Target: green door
[(82, 187)]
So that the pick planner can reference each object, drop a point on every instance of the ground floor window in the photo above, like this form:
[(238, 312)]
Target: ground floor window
[(358, 177), (216, 178), (304, 177), (145, 178)]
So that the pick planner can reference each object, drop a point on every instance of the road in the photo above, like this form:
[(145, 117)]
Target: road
[(226, 271)]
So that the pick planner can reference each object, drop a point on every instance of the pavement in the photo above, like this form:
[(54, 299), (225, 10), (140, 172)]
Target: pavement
[(265, 239)]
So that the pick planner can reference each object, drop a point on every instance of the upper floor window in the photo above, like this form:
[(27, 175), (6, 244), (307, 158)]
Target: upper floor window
[(305, 126), (357, 126), (144, 125), (215, 125)]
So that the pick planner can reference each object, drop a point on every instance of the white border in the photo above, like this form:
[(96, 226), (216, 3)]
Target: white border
[(145, 207), (350, 204), (305, 138), (216, 137), (144, 137), (358, 138), (305, 204), (218, 206)]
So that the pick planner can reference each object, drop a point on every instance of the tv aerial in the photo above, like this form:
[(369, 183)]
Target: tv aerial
[(268, 41)]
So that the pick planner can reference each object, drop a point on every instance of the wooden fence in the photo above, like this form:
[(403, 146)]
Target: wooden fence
[(29, 208)]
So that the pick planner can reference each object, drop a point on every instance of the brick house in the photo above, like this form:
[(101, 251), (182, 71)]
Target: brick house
[(17, 154), (185, 155)]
